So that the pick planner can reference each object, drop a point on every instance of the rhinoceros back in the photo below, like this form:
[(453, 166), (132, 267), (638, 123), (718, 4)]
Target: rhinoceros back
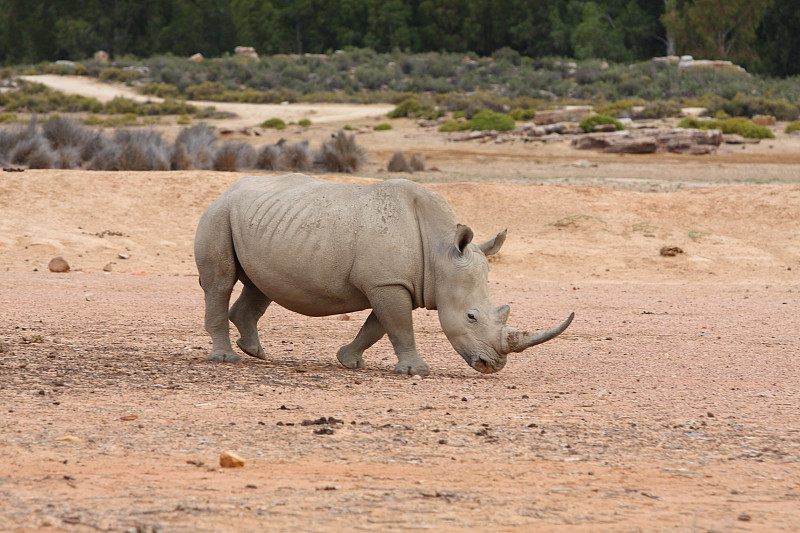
[(317, 247)]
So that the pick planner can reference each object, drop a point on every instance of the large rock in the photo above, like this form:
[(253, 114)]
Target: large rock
[(574, 113), (58, 264), (632, 145), (197, 58), (246, 51), (681, 140)]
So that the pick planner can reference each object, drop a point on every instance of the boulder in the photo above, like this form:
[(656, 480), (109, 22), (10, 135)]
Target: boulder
[(689, 141), (632, 145), (58, 264), (246, 51), (197, 58), (101, 56), (230, 460), (574, 113), (732, 138)]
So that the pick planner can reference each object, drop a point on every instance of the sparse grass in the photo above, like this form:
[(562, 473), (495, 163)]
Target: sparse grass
[(575, 219), (383, 126), (697, 235), (736, 125)]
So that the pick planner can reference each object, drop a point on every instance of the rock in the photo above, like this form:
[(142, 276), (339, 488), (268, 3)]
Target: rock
[(632, 145), (691, 141), (58, 264), (732, 138), (689, 63), (108, 267), (670, 251), (574, 113), (604, 127), (591, 142), (764, 120), (101, 56), (230, 460), (246, 51), (123, 256), (197, 58), (557, 127), (89, 297)]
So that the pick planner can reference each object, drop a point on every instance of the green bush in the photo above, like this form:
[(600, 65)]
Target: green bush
[(522, 114), (737, 125), (792, 126), (162, 90), (382, 127), (407, 108), (453, 125), (274, 123), (490, 120), (5, 118), (589, 123), (304, 122), (459, 114)]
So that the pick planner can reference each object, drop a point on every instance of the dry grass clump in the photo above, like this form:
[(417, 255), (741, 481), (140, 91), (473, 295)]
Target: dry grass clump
[(296, 157), (399, 163), (63, 143), (133, 150), (234, 155), (341, 154), (269, 156), (194, 148)]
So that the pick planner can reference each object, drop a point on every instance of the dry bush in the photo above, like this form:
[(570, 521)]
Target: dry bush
[(65, 132), (41, 157), (269, 156), (194, 147), (417, 163), (398, 163), (26, 147), (296, 157), (67, 157), (234, 155), (133, 150), (341, 154)]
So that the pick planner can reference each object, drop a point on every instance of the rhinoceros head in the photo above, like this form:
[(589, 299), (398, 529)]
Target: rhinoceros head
[(473, 325)]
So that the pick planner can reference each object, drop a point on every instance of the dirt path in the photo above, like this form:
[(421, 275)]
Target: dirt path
[(247, 115)]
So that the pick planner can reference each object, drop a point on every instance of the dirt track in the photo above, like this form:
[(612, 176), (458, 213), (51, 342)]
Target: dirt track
[(670, 404)]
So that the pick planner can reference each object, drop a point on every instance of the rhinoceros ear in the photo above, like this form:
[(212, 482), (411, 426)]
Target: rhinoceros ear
[(492, 246), (463, 237)]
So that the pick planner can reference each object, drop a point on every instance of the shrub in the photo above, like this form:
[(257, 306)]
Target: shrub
[(736, 125), (453, 125), (133, 150), (274, 123), (296, 157), (304, 122), (194, 147), (522, 114), (383, 126), (490, 120), (234, 155), (269, 156), (459, 114), (398, 163), (409, 107), (341, 154), (792, 126), (8, 117), (162, 90), (589, 123), (183, 120), (417, 163)]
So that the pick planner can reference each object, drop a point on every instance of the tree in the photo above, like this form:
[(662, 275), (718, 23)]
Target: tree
[(713, 29)]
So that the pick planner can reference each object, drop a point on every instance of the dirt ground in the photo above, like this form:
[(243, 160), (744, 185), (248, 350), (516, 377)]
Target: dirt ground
[(670, 404)]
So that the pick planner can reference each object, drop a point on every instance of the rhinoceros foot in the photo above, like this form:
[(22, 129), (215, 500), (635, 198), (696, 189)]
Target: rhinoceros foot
[(253, 350), (350, 358), (219, 357), (412, 368)]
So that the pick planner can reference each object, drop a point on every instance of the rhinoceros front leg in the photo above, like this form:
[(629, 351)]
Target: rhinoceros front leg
[(393, 305), (245, 312), (370, 333)]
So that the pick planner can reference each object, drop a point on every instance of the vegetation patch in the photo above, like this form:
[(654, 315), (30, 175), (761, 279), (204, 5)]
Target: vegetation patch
[(589, 123), (736, 125), (274, 123), (384, 126), (490, 120)]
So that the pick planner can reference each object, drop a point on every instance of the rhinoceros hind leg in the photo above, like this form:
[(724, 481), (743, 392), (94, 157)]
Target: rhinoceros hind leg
[(393, 305), (245, 312), (351, 355)]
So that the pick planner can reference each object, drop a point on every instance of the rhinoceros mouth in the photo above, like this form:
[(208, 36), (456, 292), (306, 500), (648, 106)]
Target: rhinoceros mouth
[(487, 366)]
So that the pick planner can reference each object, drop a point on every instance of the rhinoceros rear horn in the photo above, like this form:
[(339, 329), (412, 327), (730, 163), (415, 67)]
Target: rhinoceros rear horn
[(515, 340)]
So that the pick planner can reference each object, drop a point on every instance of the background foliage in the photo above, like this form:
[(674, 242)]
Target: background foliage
[(763, 35)]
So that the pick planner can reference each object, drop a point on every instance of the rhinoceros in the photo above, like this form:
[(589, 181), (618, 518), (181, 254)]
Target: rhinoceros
[(320, 248)]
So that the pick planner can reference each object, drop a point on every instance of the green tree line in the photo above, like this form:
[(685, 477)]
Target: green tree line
[(762, 35)]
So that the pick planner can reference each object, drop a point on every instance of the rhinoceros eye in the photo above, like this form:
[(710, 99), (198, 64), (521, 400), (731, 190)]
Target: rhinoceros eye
[(472, 317)]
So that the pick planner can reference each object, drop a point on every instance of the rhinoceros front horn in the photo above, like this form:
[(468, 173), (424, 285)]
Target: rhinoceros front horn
[(515, 340)]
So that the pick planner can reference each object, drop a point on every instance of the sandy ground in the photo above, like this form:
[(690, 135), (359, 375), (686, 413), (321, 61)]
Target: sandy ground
[(670, 404)]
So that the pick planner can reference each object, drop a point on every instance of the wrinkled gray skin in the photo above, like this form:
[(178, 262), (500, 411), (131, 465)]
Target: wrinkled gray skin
[(320, 248)]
